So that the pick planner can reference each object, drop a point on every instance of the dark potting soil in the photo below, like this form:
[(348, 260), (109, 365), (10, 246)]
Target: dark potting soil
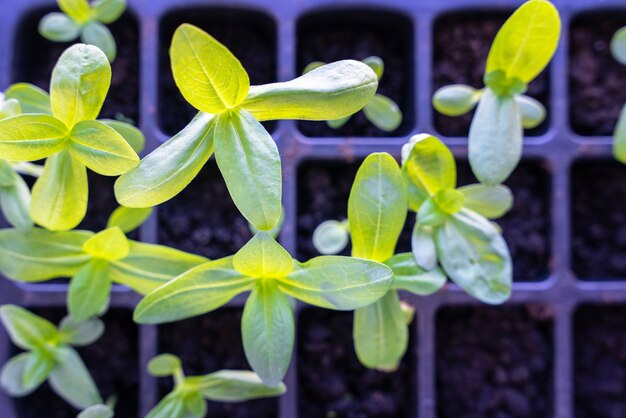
[(112, 361), (597, 82), (338, 35), (494, 362), (207, 344), (332, 382), (600, 361), (324, 188), (251, 37), (35, 58), (598, 223), (203, 219), (461, 46)]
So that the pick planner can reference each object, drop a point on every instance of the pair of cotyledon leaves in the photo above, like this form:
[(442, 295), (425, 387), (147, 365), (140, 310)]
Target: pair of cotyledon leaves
[(521, 50)]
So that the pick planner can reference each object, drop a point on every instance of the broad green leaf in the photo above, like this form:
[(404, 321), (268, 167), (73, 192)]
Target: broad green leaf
[(428, 166), (495, 138), (268, 329), (380, 333), (196, 405), (80, 333), (430, 214), (9, 108), (79, 85), (526, 42), (12, 376), (166, 171), (377, 208), (331, 237), (474, 255), (383, 112), (490, 201), (450, 201), (108, 11), (172, 406), (164, 365), (38, 368), (27, 330), (340, 283), (78, 10), (149, 266), (58, 27), (208, 75), (89, 290), (423, 246), (532, 111), (110, 244), (338, 123), (263, 257), (407, 275), (37, 254), (59, 200), (456, 99), (15, 204), (234, 386), (376, 64), (133, 136), (96, 34), (332, 91), (128, 219), (619, 144), (97, 411), (248, 158), (31, 98), (71, 380), (31, 137), (195, 292)]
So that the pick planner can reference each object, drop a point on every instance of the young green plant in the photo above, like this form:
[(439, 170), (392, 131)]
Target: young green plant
[(521, 50), (85, 21)]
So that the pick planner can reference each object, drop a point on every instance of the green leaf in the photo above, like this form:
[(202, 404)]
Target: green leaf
[(263, 257), (430, 214), (428, 166), (340, 283), (407, 275), (38, 368), (133, 136), (27, 330), (59, 200), (268, 330), (474, 255), (108, 11), (380, 333), (383, 112), (149, 266), (78, 10), (7, 174), (128, 219), (208, 75), (9, 108), (12, 376), (423, 246), (618, 46), (15, 204), (89, 291), (31, 98), (248, 158), (97, 411), (619, 144), (31, 137), (79, 85), (37, 254), (526, 42), (312, 66), (80, 333), (164, 365), (110, 244), (172, 406), (71, 380), (450, 201), (376, 64), (377, 207), (234, 386), (196, 405), (532, 111), (166, 171), (195, 292), (495, 138), (58, 27), (96, 34), (275, 231), (330, 92), (456, 99), (490, 201), (338, 123), (331, 237)]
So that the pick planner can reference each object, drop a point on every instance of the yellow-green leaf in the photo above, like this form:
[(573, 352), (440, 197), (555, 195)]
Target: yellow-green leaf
[(128, 219), (263, 257), (78, 10), (31, 98), (130, 133), (89, 291), (110, 244), (108, 11), (31, 137)]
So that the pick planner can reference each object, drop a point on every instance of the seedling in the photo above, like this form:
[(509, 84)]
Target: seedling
[(93, 261), (618, 49), (266, 269), (230, 111), (188, 399), (87, 22), (49, 356), (381, 111), (521, 50), (71, 139)]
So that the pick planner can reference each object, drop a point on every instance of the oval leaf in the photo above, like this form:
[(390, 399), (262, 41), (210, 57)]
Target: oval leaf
[(89, 291), (490, 201), (58, 28), (108, 11), (96, 34), (263, 257), (383, 112), (234, 386), (164, 365), (32, 99), (71, 380), (455, 100), (31, 137), (27, 330), (407, 275)]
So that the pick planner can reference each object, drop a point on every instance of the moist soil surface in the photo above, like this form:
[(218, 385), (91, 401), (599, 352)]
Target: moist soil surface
[(207, 344), (600, 361), (251, 37), (37, 56), (332, 382), (334, 36), (461, 46), (597, 82), (112, 362), (494, 362), (203, 219), (324, 188)]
